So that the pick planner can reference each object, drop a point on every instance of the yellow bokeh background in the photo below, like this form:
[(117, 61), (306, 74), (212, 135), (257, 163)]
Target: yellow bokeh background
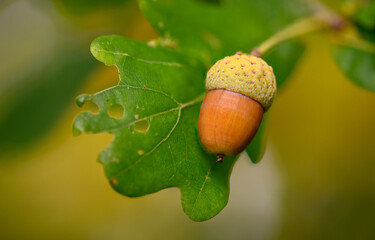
[(316, 180)]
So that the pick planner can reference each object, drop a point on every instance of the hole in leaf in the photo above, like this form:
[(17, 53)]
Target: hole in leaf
[(90, 106), (142, 126), (116, 111)]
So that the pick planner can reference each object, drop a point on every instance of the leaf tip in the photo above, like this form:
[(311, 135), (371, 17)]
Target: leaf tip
[(81, 99), (257, 159), (76, 131), (95, 47), (98, 49)]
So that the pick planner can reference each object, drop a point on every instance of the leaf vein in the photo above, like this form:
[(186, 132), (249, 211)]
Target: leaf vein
[(153, 90), (172, 64), (174, 163), (153, 149), (200, 191), (182, 106), (143, 119), (194, 101)]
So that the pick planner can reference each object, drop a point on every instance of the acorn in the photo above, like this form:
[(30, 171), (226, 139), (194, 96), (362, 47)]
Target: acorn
[(240, 89)]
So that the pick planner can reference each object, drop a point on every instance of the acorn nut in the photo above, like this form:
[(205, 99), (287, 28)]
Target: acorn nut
[(240, 89)]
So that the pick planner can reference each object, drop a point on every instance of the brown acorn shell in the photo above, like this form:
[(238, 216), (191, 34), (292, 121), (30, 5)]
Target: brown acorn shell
[(228, 121)]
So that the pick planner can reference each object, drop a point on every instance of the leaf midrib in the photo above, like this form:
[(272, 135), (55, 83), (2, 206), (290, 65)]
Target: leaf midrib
[(179, 108)]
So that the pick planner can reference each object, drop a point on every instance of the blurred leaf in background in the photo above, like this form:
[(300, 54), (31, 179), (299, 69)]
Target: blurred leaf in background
[(86, 6), (358, 65), (38, 103), (322, 129), (356, 56), (365, 17), (39, 78)]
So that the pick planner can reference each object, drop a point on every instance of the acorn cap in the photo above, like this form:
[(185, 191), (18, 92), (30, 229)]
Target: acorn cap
[(245, 74)]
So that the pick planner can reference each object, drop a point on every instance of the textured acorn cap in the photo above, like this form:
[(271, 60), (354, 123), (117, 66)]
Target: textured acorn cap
[(245, 74)]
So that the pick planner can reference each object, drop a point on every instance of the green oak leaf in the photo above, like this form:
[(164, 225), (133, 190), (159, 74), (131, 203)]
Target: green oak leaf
[(357, 64), (212, 31), (366, 16), (161, 87), (365, 21), (156, 144), (257, 147)]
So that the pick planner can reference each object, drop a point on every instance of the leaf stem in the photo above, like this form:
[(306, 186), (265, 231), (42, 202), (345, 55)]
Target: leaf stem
[(319, 21)]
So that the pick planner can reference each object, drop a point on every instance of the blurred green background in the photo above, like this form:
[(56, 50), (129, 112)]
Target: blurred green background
[(316, 180)]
